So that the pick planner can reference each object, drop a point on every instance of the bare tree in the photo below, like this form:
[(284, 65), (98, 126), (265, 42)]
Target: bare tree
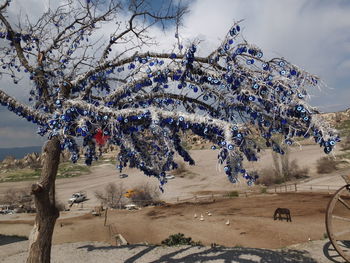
[(84, 86), (112, 196)]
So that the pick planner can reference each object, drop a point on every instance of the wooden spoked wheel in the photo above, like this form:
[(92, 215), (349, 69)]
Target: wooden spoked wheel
[(338, 221)]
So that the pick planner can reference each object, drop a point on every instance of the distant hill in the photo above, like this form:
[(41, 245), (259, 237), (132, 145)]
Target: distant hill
[(18, 152)]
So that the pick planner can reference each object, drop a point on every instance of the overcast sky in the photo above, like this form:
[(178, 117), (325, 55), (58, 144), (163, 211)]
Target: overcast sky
[(313, 34)]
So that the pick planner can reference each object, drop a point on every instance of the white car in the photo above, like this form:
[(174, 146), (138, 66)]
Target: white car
[(169, 177), (77, 197)]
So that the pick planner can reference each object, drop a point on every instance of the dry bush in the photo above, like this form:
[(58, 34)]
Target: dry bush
[(112, 196), (145, 195), (60, 205), (326, 165), (19, 198), (180, 170), (271, 176), (295, 172)]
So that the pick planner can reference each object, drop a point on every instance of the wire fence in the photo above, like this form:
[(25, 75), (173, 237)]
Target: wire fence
[(283, 188)]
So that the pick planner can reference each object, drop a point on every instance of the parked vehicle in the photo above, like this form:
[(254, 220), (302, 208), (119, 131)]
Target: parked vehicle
[(169, 177), (77, 197), (123, 175)]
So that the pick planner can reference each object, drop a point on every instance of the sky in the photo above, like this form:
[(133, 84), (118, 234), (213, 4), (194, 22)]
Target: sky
[(313, 34)]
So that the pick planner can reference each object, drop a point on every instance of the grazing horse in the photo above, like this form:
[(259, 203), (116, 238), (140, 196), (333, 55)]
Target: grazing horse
[(282, 213)]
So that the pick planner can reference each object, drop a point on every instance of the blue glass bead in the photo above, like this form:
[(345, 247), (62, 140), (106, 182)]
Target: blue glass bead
[(213, 147), (230, 147)]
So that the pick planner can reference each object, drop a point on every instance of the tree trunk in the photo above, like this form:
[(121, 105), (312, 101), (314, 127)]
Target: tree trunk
[(44, 198)]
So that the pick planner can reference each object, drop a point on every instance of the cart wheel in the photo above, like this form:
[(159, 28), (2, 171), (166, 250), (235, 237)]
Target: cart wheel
[(338, 221)]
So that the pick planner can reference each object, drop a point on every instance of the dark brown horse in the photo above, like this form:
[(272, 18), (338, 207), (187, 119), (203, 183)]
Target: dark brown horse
[(282, 213)]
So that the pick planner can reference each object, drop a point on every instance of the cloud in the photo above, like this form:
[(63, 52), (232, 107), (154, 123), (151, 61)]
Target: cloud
[(314, 35)]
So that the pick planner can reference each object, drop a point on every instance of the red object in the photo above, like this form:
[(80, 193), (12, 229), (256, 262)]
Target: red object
[(100, 138)]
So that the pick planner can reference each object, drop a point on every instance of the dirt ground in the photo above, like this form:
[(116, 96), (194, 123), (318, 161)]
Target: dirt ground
[(251, 222), (206, 175)]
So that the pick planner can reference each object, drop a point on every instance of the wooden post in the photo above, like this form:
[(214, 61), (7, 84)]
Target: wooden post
[(275, 189), (285, 186), (295, 186), (106, 216)]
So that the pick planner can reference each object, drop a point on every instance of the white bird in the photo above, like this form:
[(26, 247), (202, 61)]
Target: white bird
[(209, 214), (202, 218), (195, 216), (227, 222)]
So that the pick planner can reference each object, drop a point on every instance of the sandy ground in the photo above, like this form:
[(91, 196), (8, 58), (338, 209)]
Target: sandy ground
[(206, 176), (251, 223), (102, 252), (251, 226)]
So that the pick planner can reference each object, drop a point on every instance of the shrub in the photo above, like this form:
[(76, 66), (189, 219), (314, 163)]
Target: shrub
[(232, 194), (326, 165), (145, 195), (263, 190), (180, 239), (60, 206)]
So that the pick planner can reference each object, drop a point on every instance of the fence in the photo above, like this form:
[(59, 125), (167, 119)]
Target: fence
[(303, 188)]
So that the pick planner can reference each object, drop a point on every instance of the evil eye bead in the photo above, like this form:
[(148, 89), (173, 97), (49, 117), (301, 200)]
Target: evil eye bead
[(223, 143), (226, 168), (299, 108), (331, 142), (255, 86), (251, 98), (293, 72), (233, 32), (230, 147), (300, 95), (181, 118), (282, 63), (259, 54), (250, 61), (213, 147)]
